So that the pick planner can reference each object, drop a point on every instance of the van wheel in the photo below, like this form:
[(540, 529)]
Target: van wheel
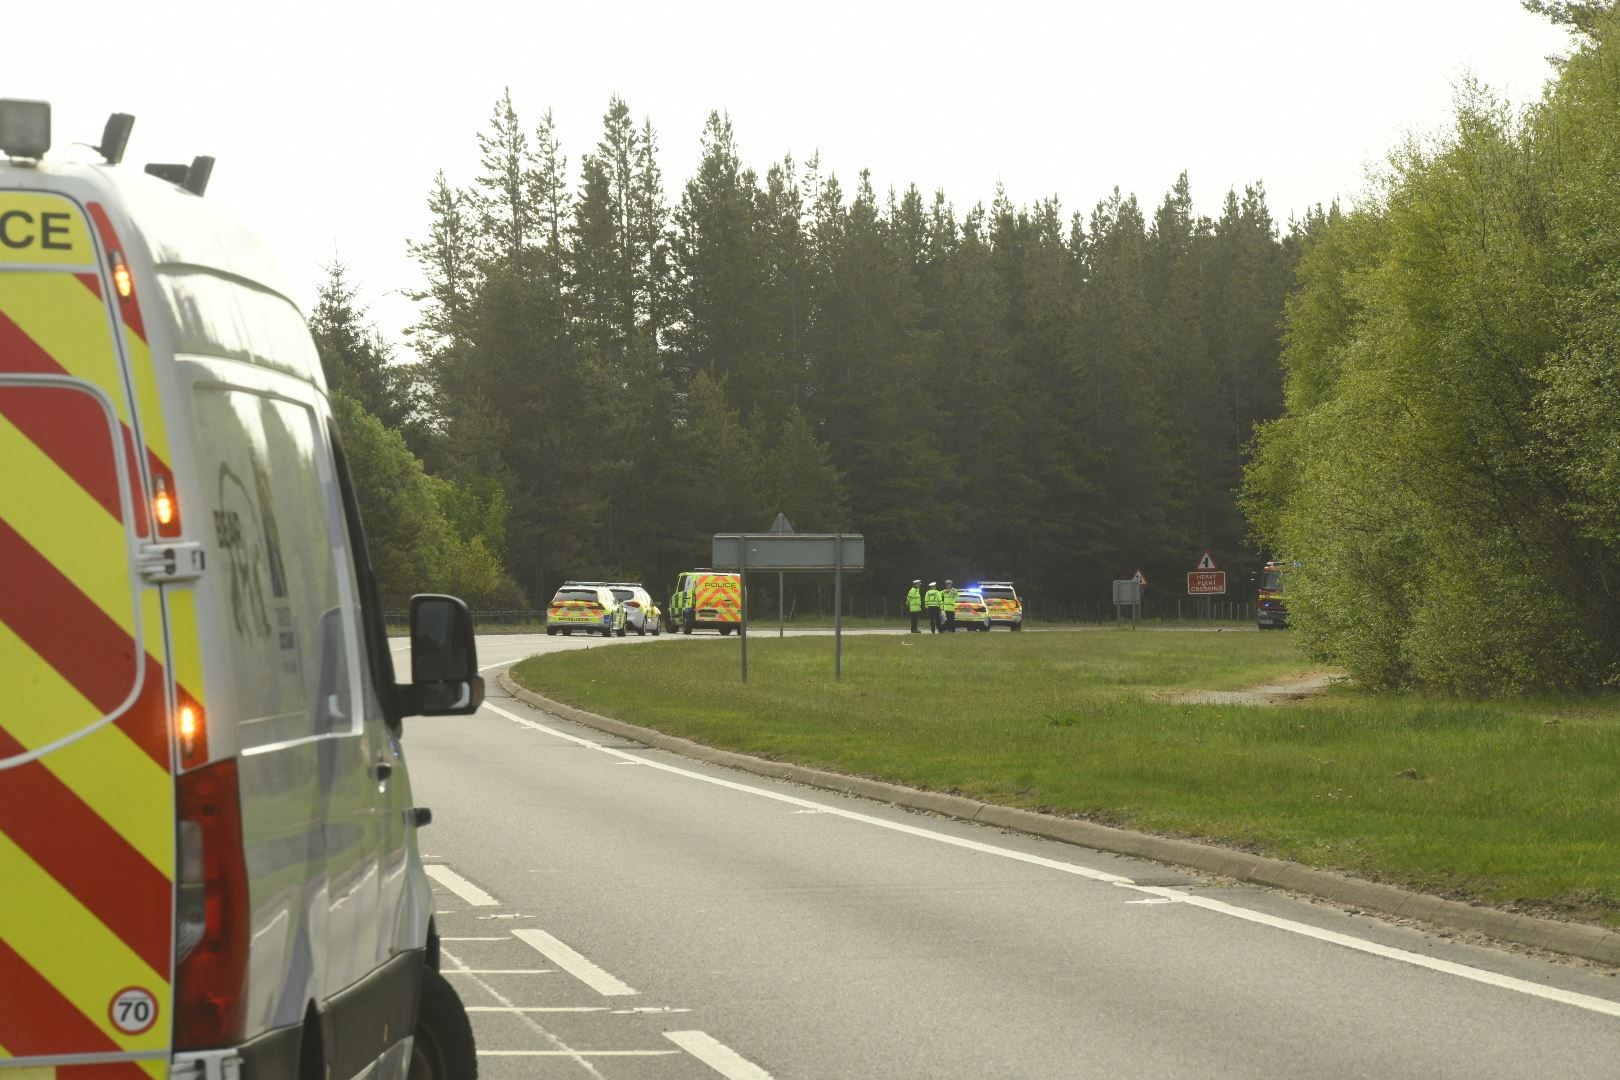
[(443, 1048), (551, 631), (567, 633), (686, 630)]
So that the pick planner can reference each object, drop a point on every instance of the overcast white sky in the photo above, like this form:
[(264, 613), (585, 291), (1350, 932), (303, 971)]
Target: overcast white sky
[(329, 119)]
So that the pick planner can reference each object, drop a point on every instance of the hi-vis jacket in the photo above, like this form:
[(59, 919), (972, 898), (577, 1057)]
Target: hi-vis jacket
[(914, 599), (932, 598)]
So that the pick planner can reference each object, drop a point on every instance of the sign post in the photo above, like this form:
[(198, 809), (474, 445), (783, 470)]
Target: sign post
[(742, 592), (809, 552), (781, 525), (1206, 581), (1127, 593), (838, 612)]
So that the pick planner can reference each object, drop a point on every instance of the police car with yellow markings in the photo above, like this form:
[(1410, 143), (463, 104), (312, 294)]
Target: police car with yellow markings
[(208, 855), (1005, 606), (587, 607), (971, 612)]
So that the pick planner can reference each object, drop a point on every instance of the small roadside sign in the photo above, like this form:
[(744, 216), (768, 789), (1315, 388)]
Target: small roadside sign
[(1207, 562), (1206, 583), (1140, 578)]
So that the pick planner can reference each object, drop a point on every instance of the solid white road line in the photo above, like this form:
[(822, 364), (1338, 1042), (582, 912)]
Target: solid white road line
[(1462, 971), (472, 939), (717, 1055), (793, 800), (1488, 978), (578, 1054), (497, 971), (536, 1008), (460, 886), (573, 963)]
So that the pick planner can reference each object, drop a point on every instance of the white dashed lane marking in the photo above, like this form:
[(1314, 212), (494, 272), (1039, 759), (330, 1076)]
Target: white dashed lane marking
[(573, 963), (699, 1045), (460, 886), (717, 1055)]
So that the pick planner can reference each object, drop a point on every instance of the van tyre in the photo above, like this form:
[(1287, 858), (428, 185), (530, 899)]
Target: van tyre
[(443, 1048)]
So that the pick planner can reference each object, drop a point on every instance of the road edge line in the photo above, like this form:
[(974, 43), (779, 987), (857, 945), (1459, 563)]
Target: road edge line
[(1571, 939)]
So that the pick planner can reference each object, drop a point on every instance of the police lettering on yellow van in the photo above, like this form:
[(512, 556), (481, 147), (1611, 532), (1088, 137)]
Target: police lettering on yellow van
[(707, 600), (208, 860)]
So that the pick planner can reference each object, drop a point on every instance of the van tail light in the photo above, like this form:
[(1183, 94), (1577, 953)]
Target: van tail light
[(211, 915), (191, 732)]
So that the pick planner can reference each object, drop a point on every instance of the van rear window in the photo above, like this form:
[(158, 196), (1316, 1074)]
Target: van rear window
[(1002, 594), (576, 594), (214, 316)]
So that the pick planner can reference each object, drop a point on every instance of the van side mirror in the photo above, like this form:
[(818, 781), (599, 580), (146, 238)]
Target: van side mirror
[(444, 659)]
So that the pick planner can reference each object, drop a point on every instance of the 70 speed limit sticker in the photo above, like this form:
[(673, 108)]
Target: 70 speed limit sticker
[(133, 1010)]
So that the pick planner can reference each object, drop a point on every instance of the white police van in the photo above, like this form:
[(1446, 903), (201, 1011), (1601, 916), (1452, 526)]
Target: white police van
[(208, 857)]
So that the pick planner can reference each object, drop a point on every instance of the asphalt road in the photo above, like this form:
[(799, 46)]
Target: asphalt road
[(613, 911)]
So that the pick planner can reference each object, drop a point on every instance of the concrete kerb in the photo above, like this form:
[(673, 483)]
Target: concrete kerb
[(1572, 939)]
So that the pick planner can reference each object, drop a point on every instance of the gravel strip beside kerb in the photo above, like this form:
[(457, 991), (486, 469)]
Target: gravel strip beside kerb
[(1572, 939)]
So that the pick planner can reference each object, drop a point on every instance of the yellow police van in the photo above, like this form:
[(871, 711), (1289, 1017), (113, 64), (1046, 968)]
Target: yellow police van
[(706, 600), (208, 857)]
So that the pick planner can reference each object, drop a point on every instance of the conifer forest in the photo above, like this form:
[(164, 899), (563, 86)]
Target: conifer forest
[(1413, 399)]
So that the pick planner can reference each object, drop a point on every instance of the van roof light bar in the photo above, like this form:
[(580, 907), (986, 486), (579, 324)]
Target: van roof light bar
[(25, 128)]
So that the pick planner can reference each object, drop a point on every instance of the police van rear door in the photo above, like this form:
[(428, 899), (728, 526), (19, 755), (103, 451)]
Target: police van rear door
[(87, 829)]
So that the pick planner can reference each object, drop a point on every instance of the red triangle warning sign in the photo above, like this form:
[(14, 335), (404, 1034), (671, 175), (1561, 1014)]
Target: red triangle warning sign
[(1207, 562)]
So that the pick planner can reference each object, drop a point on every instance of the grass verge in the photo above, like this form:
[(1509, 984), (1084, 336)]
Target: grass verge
[(1516, 804)]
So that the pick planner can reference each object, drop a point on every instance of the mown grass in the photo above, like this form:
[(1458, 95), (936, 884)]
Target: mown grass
[(1511, 803)]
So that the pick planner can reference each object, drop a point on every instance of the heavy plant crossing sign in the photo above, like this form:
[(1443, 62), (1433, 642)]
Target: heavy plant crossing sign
[(1206, 580)]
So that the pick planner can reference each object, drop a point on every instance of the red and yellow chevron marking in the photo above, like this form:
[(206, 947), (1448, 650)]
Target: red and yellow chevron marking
[(572, 611), (140, 363), (87, 831), (721, 593)]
